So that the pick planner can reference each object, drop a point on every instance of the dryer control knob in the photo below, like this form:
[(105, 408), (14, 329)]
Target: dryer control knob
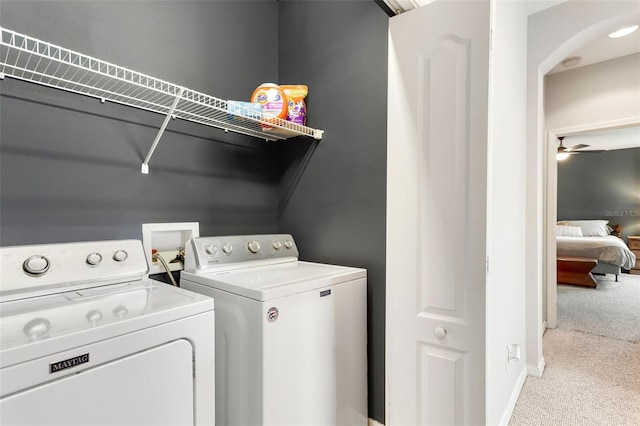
[(227, 248), (253, 246), (288, 244), (277, 245), (37, 328), (120, 256), (36, 265), (211, 249), (94, 316), (120, 311), (94, 259)]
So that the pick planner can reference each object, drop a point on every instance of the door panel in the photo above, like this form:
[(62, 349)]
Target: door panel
[(443, 172), (436, 214), (441, 390)]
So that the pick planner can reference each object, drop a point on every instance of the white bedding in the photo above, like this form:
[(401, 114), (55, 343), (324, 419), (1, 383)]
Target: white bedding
[(609, 249)]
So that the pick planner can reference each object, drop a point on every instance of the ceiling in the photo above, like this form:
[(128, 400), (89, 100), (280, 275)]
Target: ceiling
[(603, 49), (535, 6), (400, 6)]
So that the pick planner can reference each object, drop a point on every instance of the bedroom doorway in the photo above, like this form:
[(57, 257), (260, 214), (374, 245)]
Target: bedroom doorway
[(550, 295), (548, 46)]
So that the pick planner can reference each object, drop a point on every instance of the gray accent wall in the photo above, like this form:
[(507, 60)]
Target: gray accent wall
[(602, 186), (333, 193), (70, 166)]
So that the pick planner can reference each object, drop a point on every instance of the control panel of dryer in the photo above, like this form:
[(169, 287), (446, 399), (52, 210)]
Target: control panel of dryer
[(214, 252), (27, 271)]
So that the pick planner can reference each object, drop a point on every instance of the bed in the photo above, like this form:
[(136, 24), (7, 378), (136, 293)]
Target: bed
[(595, 239)]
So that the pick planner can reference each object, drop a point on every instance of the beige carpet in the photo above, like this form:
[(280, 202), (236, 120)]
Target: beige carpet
[(592, 373), (611, 309)]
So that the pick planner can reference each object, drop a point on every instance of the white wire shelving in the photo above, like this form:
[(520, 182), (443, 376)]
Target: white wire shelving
[(26, 58)]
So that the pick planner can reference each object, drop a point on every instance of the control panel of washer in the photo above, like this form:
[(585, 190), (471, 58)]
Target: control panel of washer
[(203, 252), (52, 268)]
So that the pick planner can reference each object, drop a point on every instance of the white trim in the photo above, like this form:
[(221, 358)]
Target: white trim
[(610, 124), (514, 398), (551, 196), (536, 370), (549, 227)]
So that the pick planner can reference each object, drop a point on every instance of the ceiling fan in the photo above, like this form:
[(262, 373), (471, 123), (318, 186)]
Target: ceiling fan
[(564, 152)]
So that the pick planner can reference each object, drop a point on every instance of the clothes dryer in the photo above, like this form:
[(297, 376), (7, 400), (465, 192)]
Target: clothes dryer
[(87, 340), (291, 336)]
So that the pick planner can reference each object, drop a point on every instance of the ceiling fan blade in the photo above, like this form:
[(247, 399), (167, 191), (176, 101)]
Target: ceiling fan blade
[(595, 151), (576, 147)]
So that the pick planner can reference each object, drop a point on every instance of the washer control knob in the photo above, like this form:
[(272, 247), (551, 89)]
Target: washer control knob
[(288, 244), (36, 265), (211, 249), (253, 246), (120, 256), (227, 248), (94, 259), (277, 245)]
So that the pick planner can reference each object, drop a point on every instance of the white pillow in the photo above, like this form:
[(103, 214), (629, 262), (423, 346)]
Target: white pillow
[(591, 228), (568, 231)]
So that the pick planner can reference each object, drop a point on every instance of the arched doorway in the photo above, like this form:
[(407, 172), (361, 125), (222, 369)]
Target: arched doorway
[(553, 35)]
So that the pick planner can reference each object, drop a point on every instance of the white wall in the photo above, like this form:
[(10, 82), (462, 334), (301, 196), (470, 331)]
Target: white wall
[(553, 34), (506, 208), (595, 93)]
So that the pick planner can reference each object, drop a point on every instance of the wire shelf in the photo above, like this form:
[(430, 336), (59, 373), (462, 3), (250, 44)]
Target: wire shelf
[(29, 59)]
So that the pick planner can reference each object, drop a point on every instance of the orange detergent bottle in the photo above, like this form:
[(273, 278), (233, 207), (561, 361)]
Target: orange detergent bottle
[(273, 101)]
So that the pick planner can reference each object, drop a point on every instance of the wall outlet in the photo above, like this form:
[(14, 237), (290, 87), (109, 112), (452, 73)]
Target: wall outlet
[(512, 353)]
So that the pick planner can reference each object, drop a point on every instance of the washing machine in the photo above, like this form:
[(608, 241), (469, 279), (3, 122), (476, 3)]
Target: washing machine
[(291, 336), (86, 339)]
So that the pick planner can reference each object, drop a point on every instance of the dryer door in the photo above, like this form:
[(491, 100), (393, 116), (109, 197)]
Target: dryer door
[(153, 387)]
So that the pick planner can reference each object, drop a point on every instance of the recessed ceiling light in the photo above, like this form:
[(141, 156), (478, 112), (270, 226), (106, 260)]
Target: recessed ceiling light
[(623, 32)]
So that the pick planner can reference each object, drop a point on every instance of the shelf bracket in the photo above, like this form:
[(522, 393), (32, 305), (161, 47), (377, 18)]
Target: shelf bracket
[(145, 164)]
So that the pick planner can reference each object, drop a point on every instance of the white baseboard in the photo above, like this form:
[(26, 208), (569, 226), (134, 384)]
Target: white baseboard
[(514, 398), (536, 370), (374, 423)]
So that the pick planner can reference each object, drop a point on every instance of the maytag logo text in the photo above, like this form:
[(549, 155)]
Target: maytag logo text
[(68, 363)]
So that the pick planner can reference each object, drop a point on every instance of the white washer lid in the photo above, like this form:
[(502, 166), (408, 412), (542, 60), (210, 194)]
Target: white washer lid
[(274, 281), (34, 327)]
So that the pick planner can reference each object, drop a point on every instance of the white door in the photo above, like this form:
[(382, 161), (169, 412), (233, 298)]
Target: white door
[(436, 214)]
